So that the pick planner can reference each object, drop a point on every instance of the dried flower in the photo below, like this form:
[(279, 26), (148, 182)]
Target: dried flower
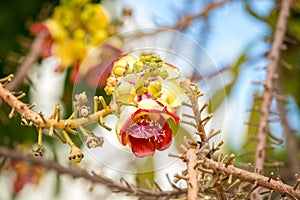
[(75, 155), (84, 111), (94, 141), (81, 99)]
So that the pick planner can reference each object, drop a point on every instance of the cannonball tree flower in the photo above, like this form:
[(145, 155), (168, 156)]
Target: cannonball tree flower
[(146, 93), (74, 30), (145, 128)]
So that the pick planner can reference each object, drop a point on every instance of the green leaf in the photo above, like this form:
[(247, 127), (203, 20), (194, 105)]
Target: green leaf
[(144, 177), (220, 95)]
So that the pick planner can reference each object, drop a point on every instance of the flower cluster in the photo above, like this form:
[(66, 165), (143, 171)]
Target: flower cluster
[(75, 28), (145, 95)]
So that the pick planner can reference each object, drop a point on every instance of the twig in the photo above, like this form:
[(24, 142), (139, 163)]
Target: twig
[(182, 24), (94, 178), (186, 21), (267, 96), (30, 59), (291, 139), (251, 177), (36, 119)]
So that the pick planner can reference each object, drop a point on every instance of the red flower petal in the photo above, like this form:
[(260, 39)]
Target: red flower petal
[(166, 139), (146, 130), (142, 147), (124, 138)]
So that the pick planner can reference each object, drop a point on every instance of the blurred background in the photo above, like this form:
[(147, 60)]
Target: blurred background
[(226, 44)]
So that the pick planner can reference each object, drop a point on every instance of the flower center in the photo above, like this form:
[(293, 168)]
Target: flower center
[(145, 127)]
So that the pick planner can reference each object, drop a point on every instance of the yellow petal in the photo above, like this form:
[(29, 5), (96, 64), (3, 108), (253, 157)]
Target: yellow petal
[(69, 51), (125, 92), (172, 95), (173, 72), (94, 17), (149, 104)]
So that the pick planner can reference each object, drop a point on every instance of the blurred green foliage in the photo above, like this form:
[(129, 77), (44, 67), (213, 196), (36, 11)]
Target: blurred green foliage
[(15, 16)]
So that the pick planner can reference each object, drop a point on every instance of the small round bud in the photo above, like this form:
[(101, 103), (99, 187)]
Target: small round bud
[(138, 66), (163, 74), (79, 34), (109, 89), (112, 81), (152, 65), (84, 111), (120, 68), (81, 99), (141, 90)]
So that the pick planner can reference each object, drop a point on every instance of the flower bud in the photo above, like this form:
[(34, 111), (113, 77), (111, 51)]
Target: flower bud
[(124, 64), (109, 89), (120, 67), (84, 111), (138, 66), (81, 99), (79, 34), (163, 74), (112, 81), (141, 90)]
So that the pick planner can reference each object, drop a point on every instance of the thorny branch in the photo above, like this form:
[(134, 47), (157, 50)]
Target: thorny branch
[(268, 94), (38, 121), (191, 154), (260, 180), (225, 168), (94, 178), (191, 158)]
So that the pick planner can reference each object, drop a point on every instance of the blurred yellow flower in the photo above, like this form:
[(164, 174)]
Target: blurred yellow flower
[(94, 17), (69, 51)]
